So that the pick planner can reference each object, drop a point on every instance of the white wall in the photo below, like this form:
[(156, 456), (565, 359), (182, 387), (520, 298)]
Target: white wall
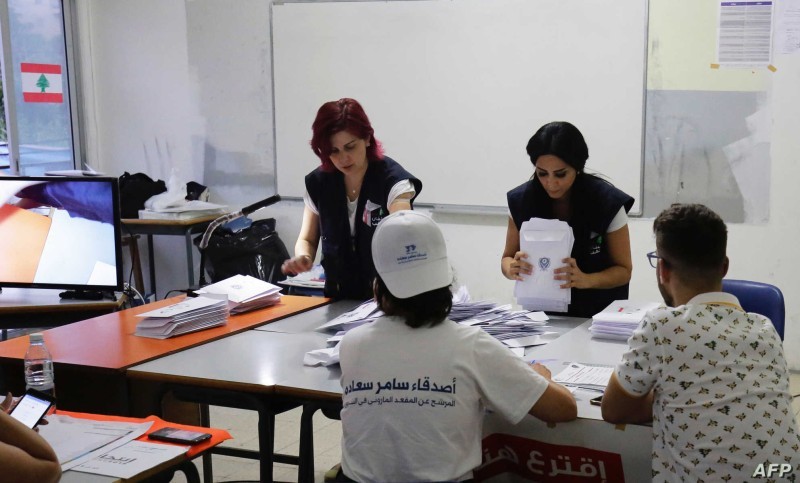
[(155, 102), (179, 88)]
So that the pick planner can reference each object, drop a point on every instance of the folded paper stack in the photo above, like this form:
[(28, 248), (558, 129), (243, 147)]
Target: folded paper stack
[(189, 315), (620, 319), (244, 293)]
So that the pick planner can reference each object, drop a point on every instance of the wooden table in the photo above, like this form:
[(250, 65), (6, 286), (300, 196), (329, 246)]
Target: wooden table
[(91, 356), (185, 228), (22, 308)]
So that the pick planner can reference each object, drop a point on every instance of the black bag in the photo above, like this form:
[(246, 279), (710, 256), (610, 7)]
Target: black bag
[(257, 251), (134, 190)]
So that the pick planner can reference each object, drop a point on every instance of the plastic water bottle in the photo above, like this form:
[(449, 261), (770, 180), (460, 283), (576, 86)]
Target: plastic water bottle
[(39, 366)]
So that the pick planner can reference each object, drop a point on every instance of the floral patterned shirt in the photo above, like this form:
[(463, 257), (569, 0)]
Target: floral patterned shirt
[(721, 404)]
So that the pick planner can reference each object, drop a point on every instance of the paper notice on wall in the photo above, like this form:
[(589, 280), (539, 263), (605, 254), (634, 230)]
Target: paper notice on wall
[(787, 27), (744, 37)]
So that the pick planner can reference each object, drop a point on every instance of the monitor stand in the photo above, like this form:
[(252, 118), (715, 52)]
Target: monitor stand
[(82, 295)]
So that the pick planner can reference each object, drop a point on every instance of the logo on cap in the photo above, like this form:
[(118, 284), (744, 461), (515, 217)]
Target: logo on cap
[(412, 255)]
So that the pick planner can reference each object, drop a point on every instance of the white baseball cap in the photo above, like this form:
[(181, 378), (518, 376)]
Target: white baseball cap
[(410, 255)]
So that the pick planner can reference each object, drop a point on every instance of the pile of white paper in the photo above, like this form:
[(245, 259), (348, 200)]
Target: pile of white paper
[(105, 447), (244, 293), (76, 441), (314, 278), (516, 329), (586, 376), (620, 319), (547, 243), (183, 210), (189, 315)]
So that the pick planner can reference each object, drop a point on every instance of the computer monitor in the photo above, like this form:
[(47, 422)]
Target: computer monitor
[(59, 232)]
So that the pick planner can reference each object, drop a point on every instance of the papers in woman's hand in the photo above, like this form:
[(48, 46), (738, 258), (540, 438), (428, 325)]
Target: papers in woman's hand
[(314, 278), (189, 315), (244, 293), (547, 243)]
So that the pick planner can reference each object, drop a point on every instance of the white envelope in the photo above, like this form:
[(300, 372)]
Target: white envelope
[(547, 243)]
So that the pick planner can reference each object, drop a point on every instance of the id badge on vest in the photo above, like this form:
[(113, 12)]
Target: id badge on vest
[(373, 214), (595, 243)]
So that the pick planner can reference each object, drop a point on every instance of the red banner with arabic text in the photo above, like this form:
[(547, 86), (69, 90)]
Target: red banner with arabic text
[(545, 462)]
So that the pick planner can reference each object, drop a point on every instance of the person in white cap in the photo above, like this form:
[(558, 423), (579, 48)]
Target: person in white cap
[(415, 384)]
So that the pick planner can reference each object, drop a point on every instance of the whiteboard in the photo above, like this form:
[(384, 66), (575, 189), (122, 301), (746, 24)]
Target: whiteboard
[(454, 89)]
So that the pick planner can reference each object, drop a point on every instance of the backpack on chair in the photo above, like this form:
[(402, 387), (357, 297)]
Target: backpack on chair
[(255, 250)]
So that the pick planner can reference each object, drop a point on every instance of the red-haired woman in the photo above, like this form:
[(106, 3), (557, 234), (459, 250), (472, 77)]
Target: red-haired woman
[(346, 196)]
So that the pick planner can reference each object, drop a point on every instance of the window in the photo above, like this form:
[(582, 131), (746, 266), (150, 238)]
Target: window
[(37, 124)]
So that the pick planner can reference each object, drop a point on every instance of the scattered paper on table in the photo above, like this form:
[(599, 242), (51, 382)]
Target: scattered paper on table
[(130, 459)]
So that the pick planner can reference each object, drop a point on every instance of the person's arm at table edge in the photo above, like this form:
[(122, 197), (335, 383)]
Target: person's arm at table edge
[(557, 404), (402, 202), (24, 455), (621, 407), (305, 249)]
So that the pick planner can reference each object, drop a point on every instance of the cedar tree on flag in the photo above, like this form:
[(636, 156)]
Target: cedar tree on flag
[(41, 83)]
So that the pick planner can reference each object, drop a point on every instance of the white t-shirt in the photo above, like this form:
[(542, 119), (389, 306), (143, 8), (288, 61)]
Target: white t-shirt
[(400, 188), (722, 404), (413, 399)]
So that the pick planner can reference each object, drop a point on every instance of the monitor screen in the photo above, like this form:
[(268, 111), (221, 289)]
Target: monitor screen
[(58, 232)]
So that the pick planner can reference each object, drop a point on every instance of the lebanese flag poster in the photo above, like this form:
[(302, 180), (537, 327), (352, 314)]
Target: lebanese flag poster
[(41, 83)]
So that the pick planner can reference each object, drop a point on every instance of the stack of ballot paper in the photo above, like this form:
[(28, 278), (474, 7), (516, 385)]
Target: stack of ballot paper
[(244, 293), (620, 319), (587, 376), (189, 315), (314, 278), (183, 210), (516, 329), (547, 243)]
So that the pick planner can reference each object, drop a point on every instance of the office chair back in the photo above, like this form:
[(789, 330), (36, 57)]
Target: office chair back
[(761, 298)]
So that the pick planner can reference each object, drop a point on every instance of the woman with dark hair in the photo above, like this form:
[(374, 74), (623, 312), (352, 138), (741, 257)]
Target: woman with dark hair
[(415, 384), (599, 269), (346, 196)]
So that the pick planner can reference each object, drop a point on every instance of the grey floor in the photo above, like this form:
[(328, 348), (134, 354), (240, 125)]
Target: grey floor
[(242, 426)]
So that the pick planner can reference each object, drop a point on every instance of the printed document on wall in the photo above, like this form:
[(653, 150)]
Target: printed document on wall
[(547, 243)]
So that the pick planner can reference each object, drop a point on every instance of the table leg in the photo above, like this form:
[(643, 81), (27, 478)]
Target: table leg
[(152, 265), (305, 470), (189, 258)]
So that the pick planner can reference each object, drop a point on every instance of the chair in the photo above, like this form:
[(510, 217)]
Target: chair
[(761, 298)]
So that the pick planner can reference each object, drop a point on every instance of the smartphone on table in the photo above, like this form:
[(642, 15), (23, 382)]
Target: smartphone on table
[(32, 407), (177, 435)]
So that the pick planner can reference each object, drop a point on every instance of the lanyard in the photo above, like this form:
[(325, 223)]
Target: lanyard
[(729, 304)]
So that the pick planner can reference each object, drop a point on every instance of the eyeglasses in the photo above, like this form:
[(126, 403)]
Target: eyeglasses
[(653, 258)]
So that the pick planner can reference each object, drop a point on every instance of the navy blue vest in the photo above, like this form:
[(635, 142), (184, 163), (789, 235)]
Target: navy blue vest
[(347, 260), (594, 203)]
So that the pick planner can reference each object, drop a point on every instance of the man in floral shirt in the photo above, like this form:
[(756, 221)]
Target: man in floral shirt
[(711, 377)]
